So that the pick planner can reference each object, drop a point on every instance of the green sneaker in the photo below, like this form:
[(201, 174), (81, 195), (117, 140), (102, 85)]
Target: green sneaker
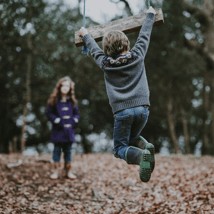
[(146, 145), (142, 158)]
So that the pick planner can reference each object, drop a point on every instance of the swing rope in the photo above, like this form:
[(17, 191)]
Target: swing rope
[(85, 49), (149, 3)]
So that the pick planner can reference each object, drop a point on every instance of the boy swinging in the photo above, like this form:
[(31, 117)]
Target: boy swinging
[(128, 92)]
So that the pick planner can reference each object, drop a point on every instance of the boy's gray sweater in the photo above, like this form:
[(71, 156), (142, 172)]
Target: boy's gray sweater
[(127, 85)]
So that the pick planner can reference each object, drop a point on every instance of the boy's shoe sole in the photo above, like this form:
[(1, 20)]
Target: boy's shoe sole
[(151, 148), (145, 170)]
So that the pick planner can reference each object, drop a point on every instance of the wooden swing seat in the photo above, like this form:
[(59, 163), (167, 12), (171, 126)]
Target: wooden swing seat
[(126, 25)]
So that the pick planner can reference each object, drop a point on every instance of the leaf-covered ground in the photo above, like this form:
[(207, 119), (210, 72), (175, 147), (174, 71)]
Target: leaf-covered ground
[(179, 184)]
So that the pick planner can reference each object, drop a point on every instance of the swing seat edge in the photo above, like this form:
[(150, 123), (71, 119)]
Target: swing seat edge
[(126, 25)]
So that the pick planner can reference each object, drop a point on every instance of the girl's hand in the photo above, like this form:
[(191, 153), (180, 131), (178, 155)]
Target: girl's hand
[(151, 10), (57, 120), (76, 120), (83, 31)]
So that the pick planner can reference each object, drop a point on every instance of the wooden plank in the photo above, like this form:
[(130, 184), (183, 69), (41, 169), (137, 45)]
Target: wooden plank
[(127, 25)]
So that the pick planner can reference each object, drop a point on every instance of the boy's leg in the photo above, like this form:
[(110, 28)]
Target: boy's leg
[(144, 144), (140, 157), (67, 148), (122, 129), (56, 159), (141, 118)]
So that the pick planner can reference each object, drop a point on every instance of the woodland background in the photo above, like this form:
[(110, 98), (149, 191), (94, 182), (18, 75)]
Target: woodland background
[(37, 48)]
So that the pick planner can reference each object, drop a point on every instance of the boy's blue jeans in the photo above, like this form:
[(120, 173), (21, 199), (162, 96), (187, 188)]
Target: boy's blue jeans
[(58, 148), (128, 125)]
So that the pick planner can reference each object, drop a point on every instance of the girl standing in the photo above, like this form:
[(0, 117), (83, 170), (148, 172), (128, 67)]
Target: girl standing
[(63, 113)]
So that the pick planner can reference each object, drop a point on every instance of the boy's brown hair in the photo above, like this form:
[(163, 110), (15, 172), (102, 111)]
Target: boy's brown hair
[(115, 42)]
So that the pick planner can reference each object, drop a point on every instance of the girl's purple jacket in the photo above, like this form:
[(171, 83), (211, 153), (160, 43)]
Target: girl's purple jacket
[(65, 111)]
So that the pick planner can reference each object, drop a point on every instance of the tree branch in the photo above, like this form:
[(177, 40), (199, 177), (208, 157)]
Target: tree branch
[(208, 7), (127, 6), (200, 14), (193, 44)]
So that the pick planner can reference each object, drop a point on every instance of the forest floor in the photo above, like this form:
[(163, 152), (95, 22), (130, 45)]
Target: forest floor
[(106, 185)]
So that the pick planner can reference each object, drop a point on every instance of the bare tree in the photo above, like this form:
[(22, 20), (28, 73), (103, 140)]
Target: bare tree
[(171, 124)]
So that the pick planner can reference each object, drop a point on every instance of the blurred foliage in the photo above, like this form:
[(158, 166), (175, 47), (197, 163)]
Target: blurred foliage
[(171, 70), (174, 73)]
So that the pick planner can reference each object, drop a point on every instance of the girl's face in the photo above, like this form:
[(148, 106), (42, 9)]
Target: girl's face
[(65, 87)]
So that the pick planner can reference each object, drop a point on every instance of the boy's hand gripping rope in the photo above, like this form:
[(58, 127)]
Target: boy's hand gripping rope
[(85, 49)]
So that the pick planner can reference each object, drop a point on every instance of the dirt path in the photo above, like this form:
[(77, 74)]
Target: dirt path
[(106, 185)]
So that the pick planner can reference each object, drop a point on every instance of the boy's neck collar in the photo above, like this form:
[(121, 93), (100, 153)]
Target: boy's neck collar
[(122, 54)]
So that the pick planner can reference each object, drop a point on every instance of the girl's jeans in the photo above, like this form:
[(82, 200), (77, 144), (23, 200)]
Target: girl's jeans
[(58, 148), (128, 125)]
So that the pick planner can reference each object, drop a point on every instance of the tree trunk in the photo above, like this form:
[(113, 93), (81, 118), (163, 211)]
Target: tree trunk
[(87, 146), (205, 17), (10, 146), (15, 144), (185, 130), (28, 91), (212, 112), (171, 125), (205, 127), (209, 49)]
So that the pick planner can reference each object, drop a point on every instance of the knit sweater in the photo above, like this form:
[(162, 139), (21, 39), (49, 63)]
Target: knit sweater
[(127, 84)]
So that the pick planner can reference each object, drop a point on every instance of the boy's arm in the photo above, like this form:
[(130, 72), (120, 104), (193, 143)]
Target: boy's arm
[(142, 44), (96, 52)]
